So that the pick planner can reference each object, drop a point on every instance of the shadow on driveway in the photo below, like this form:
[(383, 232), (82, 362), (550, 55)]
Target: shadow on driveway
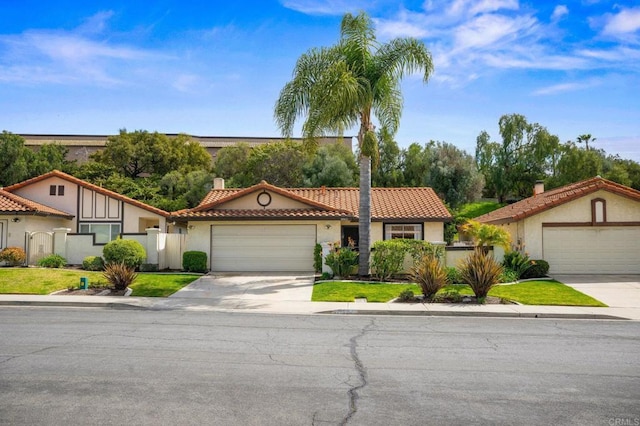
[(295, 287)]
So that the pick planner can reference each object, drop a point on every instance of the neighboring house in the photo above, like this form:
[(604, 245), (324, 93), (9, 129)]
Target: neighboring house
[(82, 146), (90, 208), (588, 227), (267, 228), (19, 217)]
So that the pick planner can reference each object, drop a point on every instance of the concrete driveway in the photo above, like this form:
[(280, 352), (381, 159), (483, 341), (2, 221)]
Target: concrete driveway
[(617, 291), (279, 287)]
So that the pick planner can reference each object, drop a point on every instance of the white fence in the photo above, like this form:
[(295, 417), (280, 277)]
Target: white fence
[(163, 250)]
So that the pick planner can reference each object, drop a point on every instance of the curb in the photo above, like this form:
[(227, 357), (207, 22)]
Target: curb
[(110, 305), (474, 314)]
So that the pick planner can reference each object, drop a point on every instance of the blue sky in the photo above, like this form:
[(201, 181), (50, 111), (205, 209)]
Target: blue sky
[(216, 68)]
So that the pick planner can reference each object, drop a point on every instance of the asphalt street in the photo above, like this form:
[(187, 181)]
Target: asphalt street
[(61, 366)]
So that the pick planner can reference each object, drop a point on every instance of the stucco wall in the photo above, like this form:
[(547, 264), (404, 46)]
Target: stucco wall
[(15, 231), (39, 192), (434, 231), (250, 201), (132, 222)]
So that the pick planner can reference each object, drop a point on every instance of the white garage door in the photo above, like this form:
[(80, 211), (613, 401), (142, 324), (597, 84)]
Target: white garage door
[(592, 250), (262, 248)]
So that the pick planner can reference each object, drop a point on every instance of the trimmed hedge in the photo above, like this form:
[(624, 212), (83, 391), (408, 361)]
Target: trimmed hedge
[(52, 261), (14, 256), (129, 252), (93, 263), (194, 261), (539, 268)]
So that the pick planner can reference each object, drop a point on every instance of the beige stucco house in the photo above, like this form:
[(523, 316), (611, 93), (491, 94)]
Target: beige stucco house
[(588, 227), (89, 209), (20, 217), (267, 228)]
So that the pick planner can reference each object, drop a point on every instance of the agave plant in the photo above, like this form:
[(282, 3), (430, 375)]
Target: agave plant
[(429, 274), (481, 272), (119, 275)]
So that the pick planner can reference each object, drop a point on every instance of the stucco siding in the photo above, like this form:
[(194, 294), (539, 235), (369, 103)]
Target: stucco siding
[(434, 231), (39, 192), (132, 222), (250, 202)]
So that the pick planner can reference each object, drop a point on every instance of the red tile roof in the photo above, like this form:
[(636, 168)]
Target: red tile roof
[(85, 184), (555, 197), (16, 205), (386, 203)]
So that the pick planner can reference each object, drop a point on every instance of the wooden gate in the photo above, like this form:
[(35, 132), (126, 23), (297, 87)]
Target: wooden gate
[(40, 245), (170, 250)]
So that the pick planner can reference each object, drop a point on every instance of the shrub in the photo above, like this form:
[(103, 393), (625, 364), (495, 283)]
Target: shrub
[(149, 267), (429, 274), (93, 263), (387, 258), (453, 275), (508, 276), (481, 272), (194, 261), (129, 252), (417, 249), (517, 262), (341, 261), (14, 256), (539, 268), (119, 275), (406, 296), (317, 258), (52, 261)]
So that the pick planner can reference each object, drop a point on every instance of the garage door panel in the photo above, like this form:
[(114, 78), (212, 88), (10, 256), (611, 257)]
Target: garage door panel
[(592, 249), (262, 248)]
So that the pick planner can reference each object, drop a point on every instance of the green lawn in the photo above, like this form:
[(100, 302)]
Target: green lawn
[(46, 281), (342, 291), (527, 293)]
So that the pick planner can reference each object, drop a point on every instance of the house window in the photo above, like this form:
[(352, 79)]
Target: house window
[(104, 232), (598, 211), (407, 231), (56, 190)]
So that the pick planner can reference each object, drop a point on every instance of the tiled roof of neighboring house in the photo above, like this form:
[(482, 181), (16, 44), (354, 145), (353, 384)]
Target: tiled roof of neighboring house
[(16, 205), (80, 182), (386, 203), (555, 197)]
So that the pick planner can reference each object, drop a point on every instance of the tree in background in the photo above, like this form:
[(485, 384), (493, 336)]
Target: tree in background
[(525, 155), (143, 153), (332, 165), (347, 84), (453, 174), (389, 172)]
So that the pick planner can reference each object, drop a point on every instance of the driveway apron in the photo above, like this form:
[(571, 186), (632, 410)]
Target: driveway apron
[(274, 287), (617, 291)]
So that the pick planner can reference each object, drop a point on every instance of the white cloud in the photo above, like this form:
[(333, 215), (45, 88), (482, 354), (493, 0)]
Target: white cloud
[(625, 22), (488, 30), (325, 7), (475, 7), (559, 12), (561, 88)]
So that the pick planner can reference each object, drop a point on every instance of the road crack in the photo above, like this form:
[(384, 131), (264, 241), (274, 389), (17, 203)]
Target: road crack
[(360, 369)]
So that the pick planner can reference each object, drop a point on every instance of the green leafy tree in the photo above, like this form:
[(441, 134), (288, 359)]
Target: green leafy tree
[(14, 159), (348, 84), (231, 164), (389, 172), (525, 155), (453, 175), (327, 169), (51, 156), (138, 153), (278, 163), (416, 162)]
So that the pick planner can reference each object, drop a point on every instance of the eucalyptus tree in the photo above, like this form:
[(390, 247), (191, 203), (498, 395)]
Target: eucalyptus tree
[(348, 84)]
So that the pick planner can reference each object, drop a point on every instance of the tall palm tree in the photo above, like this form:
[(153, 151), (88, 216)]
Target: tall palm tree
[(341, 86)]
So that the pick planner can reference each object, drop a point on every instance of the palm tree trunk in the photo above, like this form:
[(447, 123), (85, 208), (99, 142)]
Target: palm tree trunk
[(364, 222)]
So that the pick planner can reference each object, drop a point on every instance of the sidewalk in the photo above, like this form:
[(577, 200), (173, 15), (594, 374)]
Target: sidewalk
[(232, 304)]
